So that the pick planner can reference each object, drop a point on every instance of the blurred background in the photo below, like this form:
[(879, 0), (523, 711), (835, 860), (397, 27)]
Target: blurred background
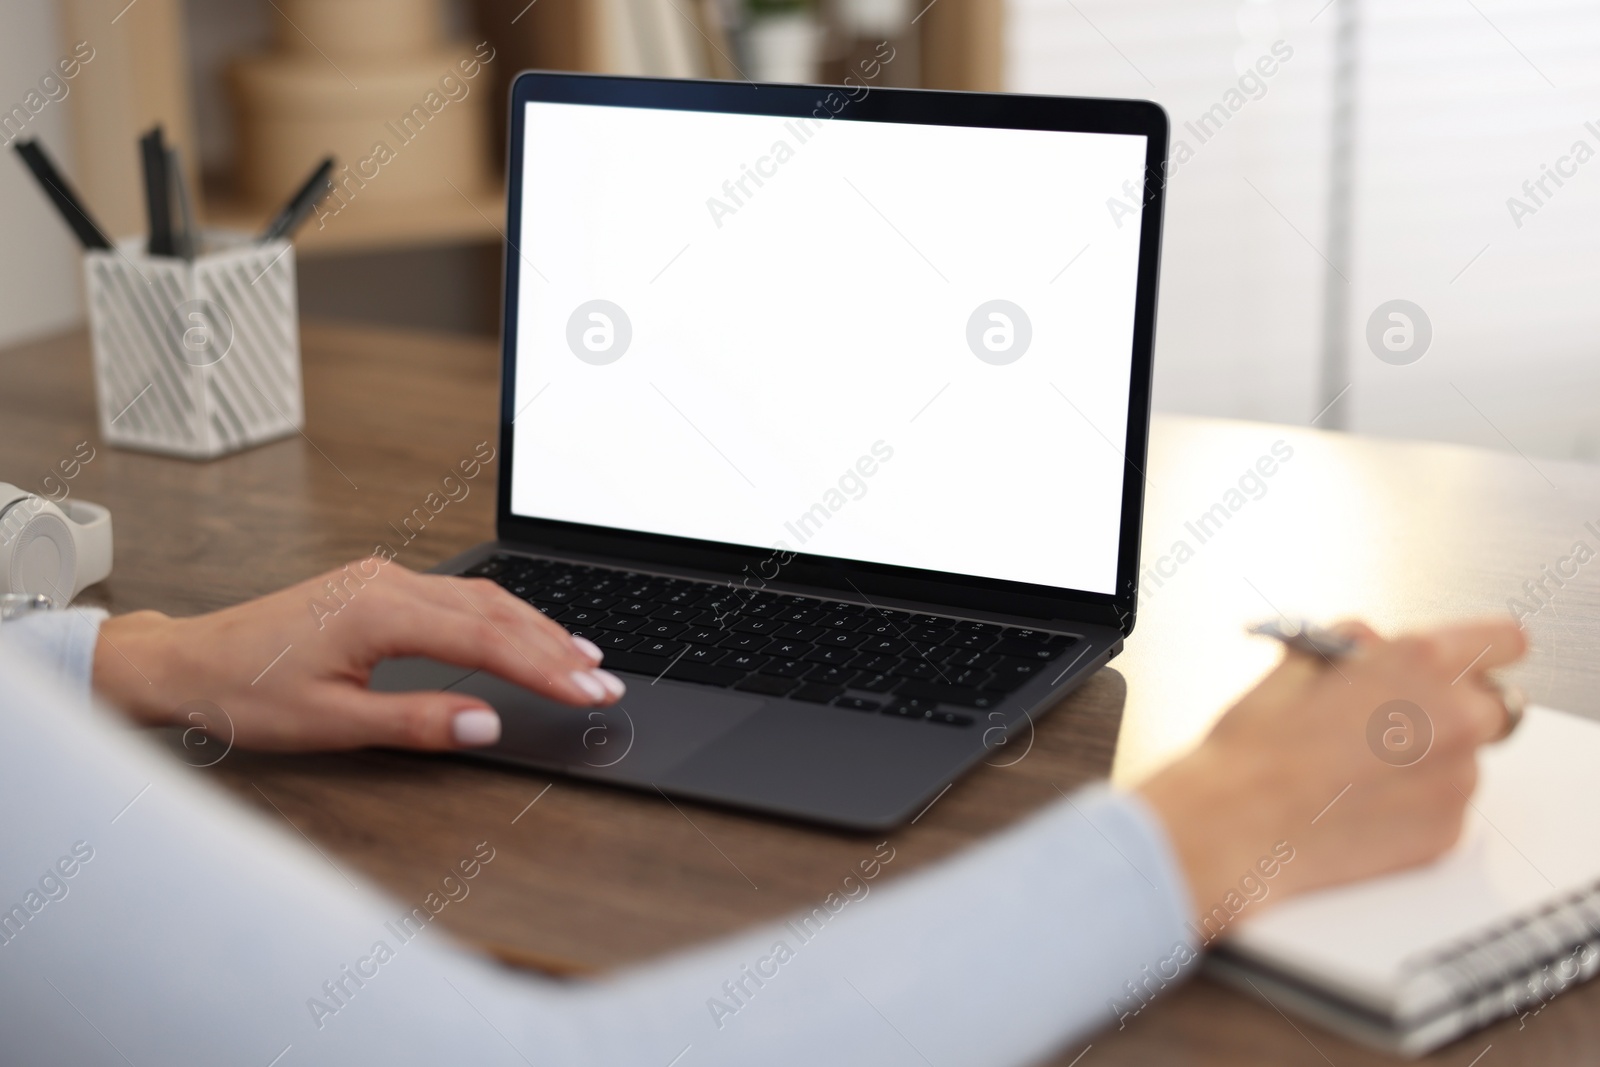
[(1331, 157)]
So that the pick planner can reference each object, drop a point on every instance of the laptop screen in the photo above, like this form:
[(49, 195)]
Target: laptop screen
[(876, 341)]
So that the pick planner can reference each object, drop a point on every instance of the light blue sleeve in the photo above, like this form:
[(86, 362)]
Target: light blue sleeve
[(60, 642), (146, 917)]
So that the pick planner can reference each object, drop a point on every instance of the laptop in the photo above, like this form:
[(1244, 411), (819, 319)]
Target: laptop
[(824, 414)]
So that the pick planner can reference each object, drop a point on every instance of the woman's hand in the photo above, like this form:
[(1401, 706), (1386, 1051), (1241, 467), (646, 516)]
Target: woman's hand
[(290, 669), (1313, 758)]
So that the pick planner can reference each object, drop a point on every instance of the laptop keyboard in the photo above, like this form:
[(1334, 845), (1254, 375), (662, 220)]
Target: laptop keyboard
[(899, 663)]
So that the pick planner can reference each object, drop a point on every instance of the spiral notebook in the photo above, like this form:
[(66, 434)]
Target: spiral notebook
[(1499, 925)]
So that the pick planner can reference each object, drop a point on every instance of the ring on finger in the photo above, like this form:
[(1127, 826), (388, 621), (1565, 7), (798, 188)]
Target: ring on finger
[(1514, 701)]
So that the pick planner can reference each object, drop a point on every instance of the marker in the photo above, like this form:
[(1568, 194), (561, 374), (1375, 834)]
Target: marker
[(187, 239), (61, 193), (299, 206), (157, 193)]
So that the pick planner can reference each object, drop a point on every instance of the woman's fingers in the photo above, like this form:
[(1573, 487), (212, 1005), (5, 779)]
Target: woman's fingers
[(1474, 647), (445, 623), (513, 614), (431, 721)]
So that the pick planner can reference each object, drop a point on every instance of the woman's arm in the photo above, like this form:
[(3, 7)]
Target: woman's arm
[(1064, 924), (191, 931)]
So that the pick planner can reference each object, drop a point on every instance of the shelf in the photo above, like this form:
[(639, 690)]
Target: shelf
[(373, 225)]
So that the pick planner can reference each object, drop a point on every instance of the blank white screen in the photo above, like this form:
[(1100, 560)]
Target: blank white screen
[(786, 335)]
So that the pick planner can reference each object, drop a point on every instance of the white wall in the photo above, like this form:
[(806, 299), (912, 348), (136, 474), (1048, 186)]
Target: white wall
[(40, 290), (1239, 325), (1457, 105)]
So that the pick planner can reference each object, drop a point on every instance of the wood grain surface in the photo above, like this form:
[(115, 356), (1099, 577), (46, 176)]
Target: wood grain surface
[(588, 877)]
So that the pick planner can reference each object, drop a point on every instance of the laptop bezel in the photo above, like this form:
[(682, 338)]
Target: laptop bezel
[(852, 579)]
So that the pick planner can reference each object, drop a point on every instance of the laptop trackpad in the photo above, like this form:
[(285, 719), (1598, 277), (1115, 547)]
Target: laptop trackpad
[(653, 728)]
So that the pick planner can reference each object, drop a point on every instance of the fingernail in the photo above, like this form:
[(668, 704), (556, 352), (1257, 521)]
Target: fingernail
[(588, 648), (590, 685), (475, 727), (612, 683)]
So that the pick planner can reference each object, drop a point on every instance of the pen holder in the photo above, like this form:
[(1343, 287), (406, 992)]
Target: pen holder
[(196, 358)]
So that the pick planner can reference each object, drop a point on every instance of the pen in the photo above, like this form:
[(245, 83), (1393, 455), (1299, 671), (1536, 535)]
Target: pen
[(187, 238), (62, 194), (300, 204), (1307, 637), (157, 193)]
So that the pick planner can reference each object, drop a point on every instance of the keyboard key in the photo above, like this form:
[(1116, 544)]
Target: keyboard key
[(653, 647), (837, 620), (982, 699), (875, 683), (658, 628), (699, 672), (880, 628), (918, 669), (816, 694), (634, 606), (702, 635), (939, 654), (836, 656), (599, 602), (798, 632), (949, 718), (885, 646), (609, 639), (1028, 648), (1038, 637), (579, 617), (746, 661), (787, 649), (925, 635), (765, 683), (488, 568), (909, 709), (1017, 670), (978, 640), (840, 639), (877, 664), (787, 668), (672, 614), (748, 625), (804, 613), (824, 674), (706, 654), (624, 623), (974, 678), (745, 642), (975, 627), (965, 658), (557, 596), (857, 704), (934, 622)]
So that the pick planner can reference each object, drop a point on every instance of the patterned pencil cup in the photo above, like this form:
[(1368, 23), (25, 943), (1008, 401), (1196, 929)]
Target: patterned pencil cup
[(196, 358)]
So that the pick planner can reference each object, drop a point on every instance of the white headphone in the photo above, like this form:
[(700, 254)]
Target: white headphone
[(51, 549)]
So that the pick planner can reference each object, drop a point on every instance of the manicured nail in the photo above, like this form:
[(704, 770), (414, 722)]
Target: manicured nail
[(590, 685), (475, 727), (588, 648), (612, 683)]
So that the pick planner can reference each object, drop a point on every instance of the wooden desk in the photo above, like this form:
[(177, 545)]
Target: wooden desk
[(591, 877)]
